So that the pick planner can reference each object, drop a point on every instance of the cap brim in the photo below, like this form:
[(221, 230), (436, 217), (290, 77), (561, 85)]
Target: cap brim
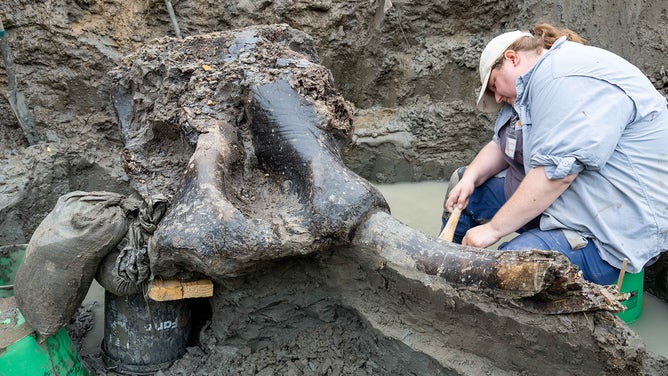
[(487, 101)]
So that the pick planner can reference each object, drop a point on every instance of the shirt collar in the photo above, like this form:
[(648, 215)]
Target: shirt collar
[(523, 80)]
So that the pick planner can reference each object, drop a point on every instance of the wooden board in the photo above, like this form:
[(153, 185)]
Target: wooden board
[(172, 289)]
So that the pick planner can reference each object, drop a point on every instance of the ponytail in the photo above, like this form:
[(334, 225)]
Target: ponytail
[(542, 37), (549, 34)]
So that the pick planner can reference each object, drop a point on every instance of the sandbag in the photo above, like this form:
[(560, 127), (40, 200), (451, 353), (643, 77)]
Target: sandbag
[(126, 271), (112, 275), (63, 254)]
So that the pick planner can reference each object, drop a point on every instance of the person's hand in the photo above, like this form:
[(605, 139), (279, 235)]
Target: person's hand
[(459, 195), (482, 236)]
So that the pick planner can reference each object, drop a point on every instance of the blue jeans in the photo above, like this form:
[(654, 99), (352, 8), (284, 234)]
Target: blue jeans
[(593, 267), (486, 201)]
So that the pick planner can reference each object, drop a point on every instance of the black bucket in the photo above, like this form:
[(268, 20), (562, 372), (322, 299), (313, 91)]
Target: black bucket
[(144, 336)]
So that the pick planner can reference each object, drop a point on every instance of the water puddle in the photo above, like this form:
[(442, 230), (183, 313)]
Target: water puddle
[(420, 206)]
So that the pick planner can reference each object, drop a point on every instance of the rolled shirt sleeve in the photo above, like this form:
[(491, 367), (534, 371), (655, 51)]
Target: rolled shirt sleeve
[(574, 131)]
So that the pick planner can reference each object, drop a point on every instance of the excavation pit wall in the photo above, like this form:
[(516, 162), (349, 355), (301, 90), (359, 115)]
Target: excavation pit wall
[(351, 312), (410, 70), (409, 67)]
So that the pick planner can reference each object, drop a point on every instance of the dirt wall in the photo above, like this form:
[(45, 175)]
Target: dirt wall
[(408, 67)]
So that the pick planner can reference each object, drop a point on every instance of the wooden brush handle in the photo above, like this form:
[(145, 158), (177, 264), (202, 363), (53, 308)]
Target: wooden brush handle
[(449, 230)]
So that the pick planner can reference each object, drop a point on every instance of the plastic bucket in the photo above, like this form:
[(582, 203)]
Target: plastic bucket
[(11, 257), (22, 351), (632, 284), (144, 336), (55, 356)]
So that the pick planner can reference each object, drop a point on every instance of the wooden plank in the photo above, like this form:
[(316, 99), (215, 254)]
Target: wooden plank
[(172, 289)]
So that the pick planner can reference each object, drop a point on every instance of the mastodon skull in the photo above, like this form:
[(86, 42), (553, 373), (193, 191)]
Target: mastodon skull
[(241, 130)]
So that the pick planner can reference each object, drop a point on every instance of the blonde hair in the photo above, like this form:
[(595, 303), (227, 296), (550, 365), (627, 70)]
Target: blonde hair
[(544, 36)]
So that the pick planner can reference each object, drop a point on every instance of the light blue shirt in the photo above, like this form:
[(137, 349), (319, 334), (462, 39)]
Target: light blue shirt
[(585, 110)]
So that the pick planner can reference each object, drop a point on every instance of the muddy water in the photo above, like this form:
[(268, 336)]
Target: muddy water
[(419, 205)]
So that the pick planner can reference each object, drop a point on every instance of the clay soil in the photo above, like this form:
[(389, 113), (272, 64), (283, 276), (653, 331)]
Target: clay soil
[(410, 70)]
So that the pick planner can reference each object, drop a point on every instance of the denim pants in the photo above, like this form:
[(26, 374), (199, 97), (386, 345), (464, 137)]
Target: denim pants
[(487, 199)]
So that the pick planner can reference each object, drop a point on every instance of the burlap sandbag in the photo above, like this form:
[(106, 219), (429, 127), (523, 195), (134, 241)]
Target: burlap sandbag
[(126, 271), (63, 255)]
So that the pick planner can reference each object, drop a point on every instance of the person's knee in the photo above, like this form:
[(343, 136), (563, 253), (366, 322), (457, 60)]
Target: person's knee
[(535, 239), (593, 267)]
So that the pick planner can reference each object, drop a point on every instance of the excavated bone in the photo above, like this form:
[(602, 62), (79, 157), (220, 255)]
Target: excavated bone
[(242, 131)]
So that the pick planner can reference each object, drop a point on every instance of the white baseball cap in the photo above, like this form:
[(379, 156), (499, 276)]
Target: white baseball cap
[(494, 49)]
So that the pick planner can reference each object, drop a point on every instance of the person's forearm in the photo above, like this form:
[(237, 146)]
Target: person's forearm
[(487, 163), (535, 194)]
